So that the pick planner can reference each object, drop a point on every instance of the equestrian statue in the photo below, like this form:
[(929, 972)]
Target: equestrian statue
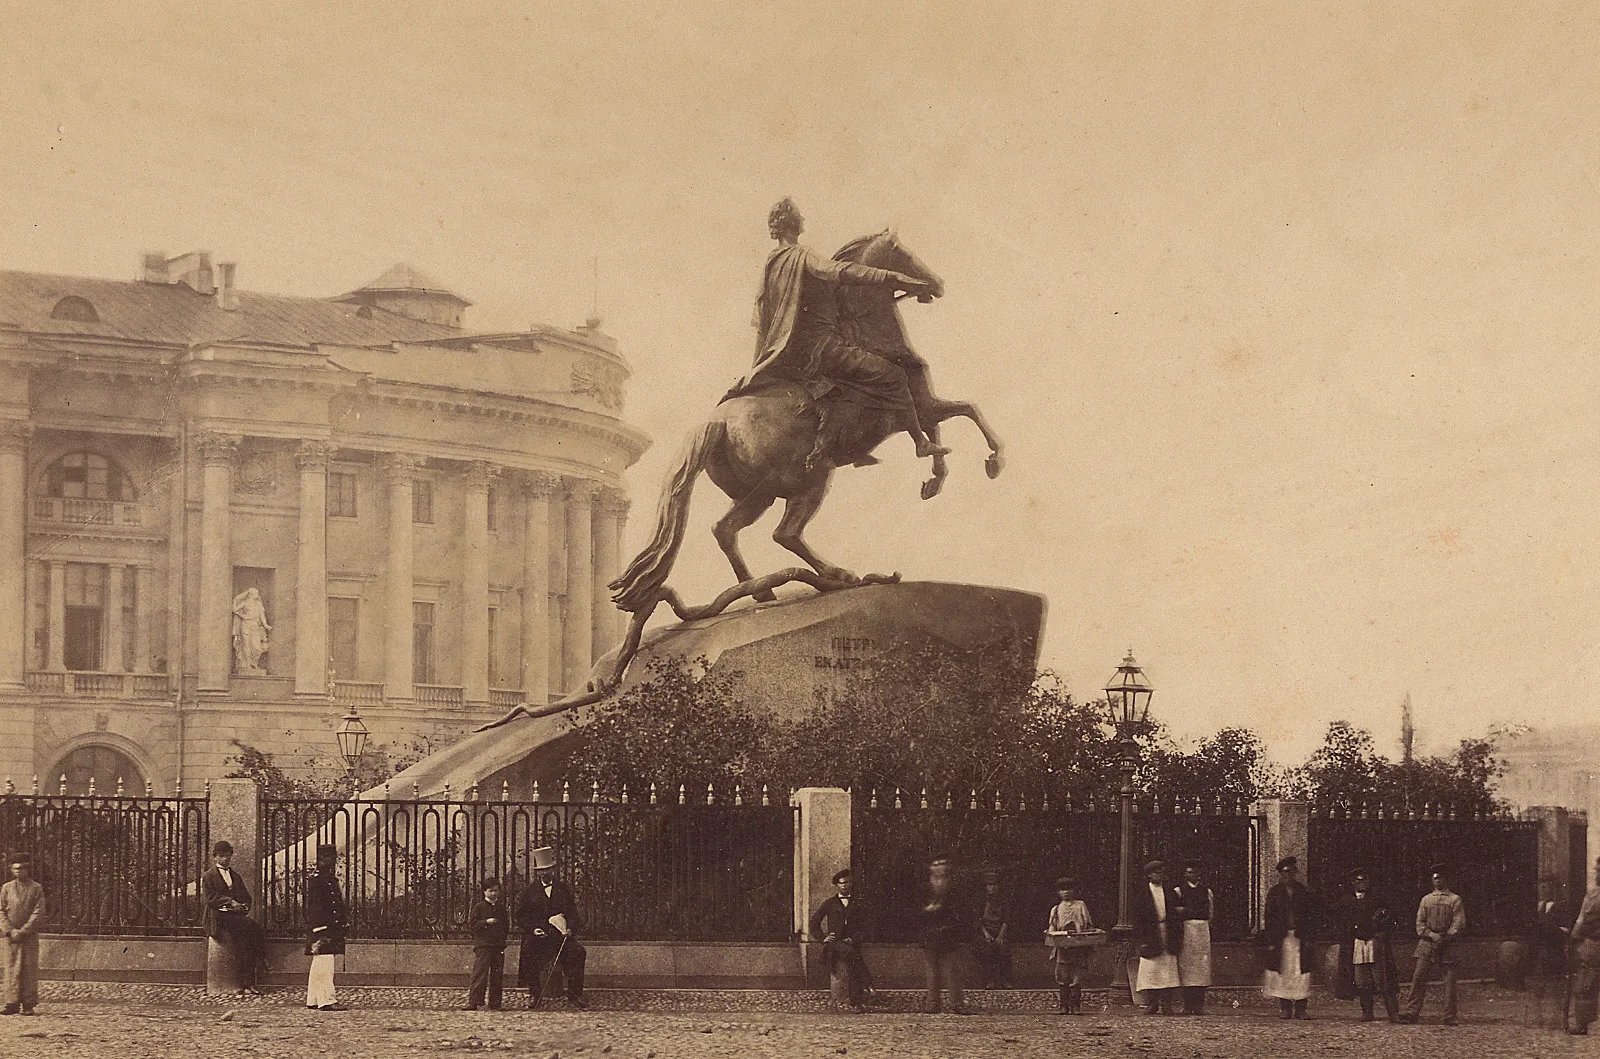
[(834, 377)]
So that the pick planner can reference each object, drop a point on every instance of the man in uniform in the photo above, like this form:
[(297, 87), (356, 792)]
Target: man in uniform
[(797, 320), (1366, 953), (1585, 961)]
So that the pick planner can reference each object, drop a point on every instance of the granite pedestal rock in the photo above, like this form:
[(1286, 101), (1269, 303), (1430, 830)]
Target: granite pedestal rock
[(786, 651)]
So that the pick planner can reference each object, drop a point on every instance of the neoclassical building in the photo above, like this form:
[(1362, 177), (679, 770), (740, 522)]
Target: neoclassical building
[(228, 516)]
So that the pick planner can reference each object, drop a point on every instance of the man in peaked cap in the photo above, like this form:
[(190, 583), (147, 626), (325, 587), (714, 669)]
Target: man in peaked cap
[(1366, 950), (547, 914), (1158, 933), (1441, 918), (1290, 936)]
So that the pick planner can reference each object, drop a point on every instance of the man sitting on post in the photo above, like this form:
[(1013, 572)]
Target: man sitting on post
[(227, 905), (837, 924), (548, 917)]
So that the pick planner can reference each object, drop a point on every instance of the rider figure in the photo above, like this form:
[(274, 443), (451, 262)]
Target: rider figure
[(799, 338)]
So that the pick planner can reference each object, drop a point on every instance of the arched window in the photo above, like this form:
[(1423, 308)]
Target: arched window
[(87, 476), (105, 763), (72, 307)]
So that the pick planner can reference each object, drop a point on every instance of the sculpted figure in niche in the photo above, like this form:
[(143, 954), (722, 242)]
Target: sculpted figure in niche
[(250, 630)]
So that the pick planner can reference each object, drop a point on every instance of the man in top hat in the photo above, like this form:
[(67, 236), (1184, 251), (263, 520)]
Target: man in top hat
[(1441, 918), (1289, 935), (837, 924), (548, 917), (21, 915), (1366, 953), (1586, 961), (228, 922), (1158, 934)]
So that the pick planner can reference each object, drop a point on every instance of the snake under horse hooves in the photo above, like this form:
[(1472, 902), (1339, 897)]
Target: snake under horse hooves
[(756, 586)]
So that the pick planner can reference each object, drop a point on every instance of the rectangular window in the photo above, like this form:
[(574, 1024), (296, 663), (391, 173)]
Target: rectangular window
[(422, 502), (130, 615), (341, 494), (343, 636), (422, 643), (86, 608), (494, 659), (493, 510)]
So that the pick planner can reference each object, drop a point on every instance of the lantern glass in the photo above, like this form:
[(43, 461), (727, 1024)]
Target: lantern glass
[(1128, 694), (352, 737)]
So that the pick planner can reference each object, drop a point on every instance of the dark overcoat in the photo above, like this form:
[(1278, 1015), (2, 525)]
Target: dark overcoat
[(1369, 919), (1147, 924), (327, 916), (1284, 900)]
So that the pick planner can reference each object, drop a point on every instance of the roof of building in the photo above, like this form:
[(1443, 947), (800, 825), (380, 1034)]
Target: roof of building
[(174, 313), (404, 277)]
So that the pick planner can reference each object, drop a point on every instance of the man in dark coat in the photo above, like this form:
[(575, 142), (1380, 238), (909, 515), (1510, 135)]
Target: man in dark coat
[(1158, 937), (547, 915), (327, 919), (942, 928), (227, 915), (1585, 957), (837, 923), (1289, 937), (1366, 949), (490, 927)]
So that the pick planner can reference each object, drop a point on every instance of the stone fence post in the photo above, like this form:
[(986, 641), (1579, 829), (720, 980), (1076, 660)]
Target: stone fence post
[(821, 847), (235, 817), (1284, 833)]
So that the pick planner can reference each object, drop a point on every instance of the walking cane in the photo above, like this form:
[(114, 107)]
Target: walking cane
[(550, 972)]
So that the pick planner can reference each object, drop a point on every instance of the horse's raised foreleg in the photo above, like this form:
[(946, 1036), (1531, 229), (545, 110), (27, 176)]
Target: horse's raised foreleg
[(925, 403), (939, 411), (797, 514), (743, 513)]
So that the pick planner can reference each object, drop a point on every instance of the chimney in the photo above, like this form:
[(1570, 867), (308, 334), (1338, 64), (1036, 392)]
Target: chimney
[(227, 296), (155, 266), (193, 270)]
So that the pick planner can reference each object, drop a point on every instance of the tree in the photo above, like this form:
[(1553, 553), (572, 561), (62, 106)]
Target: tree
[(1230, 766), (327, 782), (1347, 771)]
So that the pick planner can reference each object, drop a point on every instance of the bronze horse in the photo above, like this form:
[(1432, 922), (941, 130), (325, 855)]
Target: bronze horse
[(756, 446)]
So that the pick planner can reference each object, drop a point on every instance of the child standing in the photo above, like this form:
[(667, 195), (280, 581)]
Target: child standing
[(490, 925), (1069, 916)]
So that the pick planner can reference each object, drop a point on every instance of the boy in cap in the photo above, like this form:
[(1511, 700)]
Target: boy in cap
[(1158, 933), (994, 948), (1441, 918), (1068, 916), (548, 916), (21, 915), (490, 927), (837, 924), (1289, 934)]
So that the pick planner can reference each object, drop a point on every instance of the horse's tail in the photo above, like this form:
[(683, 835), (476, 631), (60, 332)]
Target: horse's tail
[(640, 584)]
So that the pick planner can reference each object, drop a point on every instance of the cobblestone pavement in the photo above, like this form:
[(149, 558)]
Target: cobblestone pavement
[(145, 1022)]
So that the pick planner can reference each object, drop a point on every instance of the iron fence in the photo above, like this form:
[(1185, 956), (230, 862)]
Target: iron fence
[(640, 871), (1493, 860), (113, 865), (1030, 846)]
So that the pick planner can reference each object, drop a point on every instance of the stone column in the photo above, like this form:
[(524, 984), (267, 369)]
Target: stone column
[(1286, 828), (111, 659), (217, 453), (821, 847), (143, 579), (13, 549), (475, 583), (398, 470), (56, 659), (311, 573), (579, 633), (537, 488), (609, 514)]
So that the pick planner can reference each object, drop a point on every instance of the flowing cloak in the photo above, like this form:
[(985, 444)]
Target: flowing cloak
[(778, 313)]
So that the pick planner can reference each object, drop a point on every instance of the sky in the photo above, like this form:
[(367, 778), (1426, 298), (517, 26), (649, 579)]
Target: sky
[(1284, 312)]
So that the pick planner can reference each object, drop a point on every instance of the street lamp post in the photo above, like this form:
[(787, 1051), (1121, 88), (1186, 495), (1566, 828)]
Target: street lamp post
[(1128, 706), (351, 733)]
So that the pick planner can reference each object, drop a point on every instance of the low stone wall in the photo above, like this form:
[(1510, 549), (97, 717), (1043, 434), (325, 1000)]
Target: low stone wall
[(635, 965)]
